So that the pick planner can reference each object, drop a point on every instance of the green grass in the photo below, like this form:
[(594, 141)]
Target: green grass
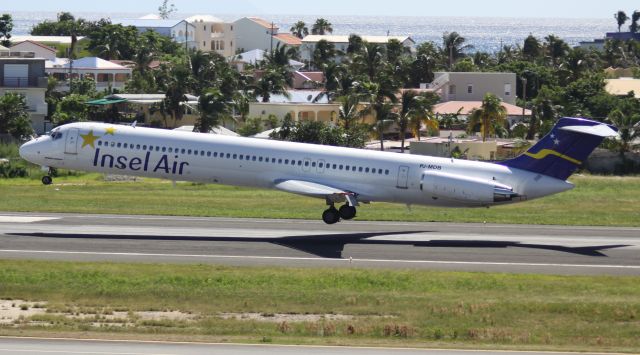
[(397, 308), (596, 200)]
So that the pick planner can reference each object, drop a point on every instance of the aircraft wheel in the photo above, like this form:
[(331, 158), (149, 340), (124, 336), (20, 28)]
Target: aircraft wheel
[(47, 180), (347, 212), (331, 216)]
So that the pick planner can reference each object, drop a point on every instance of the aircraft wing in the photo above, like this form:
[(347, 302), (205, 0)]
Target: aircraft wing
[(314, 189)]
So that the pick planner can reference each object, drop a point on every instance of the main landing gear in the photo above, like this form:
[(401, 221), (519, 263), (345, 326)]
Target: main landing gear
[(332, 215)]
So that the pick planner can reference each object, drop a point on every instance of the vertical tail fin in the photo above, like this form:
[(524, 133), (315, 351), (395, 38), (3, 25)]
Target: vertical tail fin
[(564, 149)]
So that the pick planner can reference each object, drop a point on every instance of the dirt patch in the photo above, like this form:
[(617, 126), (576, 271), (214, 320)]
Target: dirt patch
[(288, 317), (13, 310)]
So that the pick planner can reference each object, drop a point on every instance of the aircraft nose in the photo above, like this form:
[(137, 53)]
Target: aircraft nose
[(28, 151)]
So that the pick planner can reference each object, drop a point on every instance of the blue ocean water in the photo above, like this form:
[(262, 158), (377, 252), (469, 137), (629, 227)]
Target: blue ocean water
[(484, 33)]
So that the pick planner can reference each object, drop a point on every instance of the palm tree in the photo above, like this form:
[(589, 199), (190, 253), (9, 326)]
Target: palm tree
[(423, 114), (370, 60), (635, 16), (355, 44), (621, 17), (453, 46), (556, 48), (271, 82), (543, 110), (628, 130), (213, 108), (408, 108), (321, 27), (350, 110), (490, 114), (381, 96), (299, 29), (323, 53), (531, 48)]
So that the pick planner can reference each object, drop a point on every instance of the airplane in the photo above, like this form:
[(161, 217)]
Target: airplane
[(338, 175)]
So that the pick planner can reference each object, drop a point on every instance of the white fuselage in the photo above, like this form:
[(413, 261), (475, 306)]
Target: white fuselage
[(206, 158)]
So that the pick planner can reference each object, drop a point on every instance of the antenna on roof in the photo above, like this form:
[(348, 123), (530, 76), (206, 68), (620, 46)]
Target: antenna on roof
[(133, 124)]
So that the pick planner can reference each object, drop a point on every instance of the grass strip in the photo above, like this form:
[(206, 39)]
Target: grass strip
[(596, 200), (389, 307)]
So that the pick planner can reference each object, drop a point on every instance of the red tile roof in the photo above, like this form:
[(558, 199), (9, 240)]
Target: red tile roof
[(264, 23), (288, 39), (37, 44)]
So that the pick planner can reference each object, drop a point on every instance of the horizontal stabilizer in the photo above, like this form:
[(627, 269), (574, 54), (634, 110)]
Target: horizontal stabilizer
[(601, 130)]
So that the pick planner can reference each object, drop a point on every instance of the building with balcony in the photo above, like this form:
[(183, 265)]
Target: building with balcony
[(22, 73), (106, 74), (212, 34)]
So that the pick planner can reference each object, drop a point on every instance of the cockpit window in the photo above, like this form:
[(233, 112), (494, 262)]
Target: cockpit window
[(55, 135)]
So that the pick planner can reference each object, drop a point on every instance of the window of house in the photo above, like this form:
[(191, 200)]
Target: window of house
[(469, 89), (507, 89), (452, 89)]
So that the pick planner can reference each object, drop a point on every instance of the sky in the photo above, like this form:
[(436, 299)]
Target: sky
[(466, 8)]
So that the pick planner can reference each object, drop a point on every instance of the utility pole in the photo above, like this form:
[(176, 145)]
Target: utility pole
[(524, 95), (271, 51), (186, 36)]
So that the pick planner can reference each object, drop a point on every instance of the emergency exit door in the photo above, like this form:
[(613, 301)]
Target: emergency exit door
[(71, 143)]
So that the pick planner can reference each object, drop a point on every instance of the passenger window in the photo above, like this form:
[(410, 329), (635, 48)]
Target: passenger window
[(299, 162), (170, 150), (286, 161), (144, 147), (189, 151), (306, 163), (279, 161), (320, 165), (260, 159), (293, 162), (228, 155), (253, 158), (313, 164), (335, 166), (119, 145), (183, 151), (359, 169), (99, 142), (273, 160), (241, 156), (202, 153), (151, 148), (235, 156), (340, 166), (113, 144), (208, 154), (386, 172), (366, 170), (164, 149)]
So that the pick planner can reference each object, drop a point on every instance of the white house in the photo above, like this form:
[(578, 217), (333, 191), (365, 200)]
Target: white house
[(256, 33), (39, 50), (213, 35), (105, 73), (341, 42), (23, 74), (178, 30)]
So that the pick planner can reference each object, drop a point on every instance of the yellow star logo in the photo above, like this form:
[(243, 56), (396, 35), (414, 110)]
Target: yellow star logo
[(110, 130), (89, 139)]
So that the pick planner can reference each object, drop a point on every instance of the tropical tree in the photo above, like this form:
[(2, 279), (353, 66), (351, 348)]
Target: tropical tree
[(490, 114), (370, 61), (213, 109), (350, 111), (628, 130), (635, 16), (14, 116), (324, 53), (271, 82), (555, 48), (355, 44), (381, 96), (299, 29), (423, 114), (544, 112), (165, 9), (453, 47), (321, 27), (114, 42), (6, 25), (176, 81), (531, 48), (621, 17), (409, 107)]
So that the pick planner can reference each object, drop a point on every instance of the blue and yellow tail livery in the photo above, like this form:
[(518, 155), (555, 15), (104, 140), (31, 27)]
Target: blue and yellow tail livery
[(564, 149)]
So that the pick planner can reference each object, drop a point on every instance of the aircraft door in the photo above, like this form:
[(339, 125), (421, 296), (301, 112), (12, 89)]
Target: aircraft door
[(403, 177), (71, 143)]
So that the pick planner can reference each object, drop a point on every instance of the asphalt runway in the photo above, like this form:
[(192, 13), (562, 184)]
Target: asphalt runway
[(299, 243), (34, 346)]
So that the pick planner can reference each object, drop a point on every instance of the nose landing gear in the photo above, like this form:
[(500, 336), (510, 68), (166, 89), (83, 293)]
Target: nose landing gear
[(47, 179)]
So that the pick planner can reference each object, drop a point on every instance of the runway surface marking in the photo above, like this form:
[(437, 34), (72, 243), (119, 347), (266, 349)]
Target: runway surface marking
[(22, 219), (285, 346), (350, 260)]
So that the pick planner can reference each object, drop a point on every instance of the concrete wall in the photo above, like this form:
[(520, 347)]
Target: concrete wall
[(215, 37), (603, 161), (457, 89), (476, 150)]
